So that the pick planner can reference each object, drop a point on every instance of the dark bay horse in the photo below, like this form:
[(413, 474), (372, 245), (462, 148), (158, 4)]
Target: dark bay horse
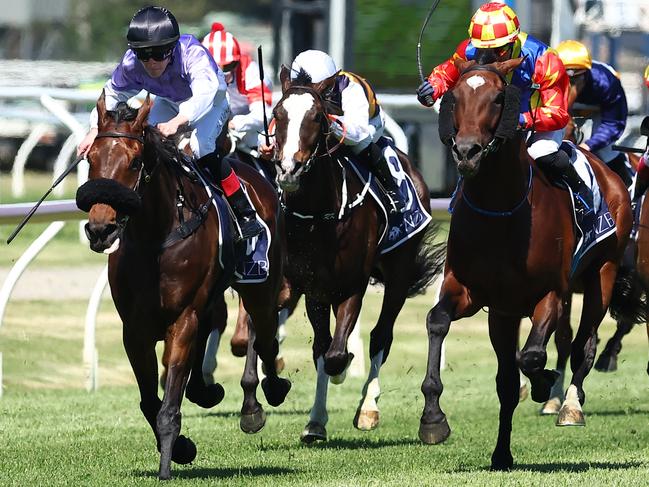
[(161, 232), (332, 247), (510, 249)]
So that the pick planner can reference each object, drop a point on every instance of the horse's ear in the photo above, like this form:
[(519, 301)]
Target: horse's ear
[(285, 78), (462, 64), (143, 111), (101, 108), (511, 64)]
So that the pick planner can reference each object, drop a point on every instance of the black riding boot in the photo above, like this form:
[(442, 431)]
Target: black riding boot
[(379, 167), (558, 165), (245, 214), (241, 206), (639, 189)]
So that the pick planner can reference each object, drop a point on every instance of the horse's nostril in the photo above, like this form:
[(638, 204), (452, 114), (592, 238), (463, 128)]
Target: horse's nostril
[(467, 151), (108, 230), (96, 232)]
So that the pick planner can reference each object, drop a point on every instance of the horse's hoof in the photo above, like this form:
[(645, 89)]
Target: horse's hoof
[(252, 423), (523, 392), (434, 433), (551, 406), (275, 390), (542, 385), (239, 347), (606, 363), (502, 462), (366, 420), (313, 432), (337, 363), (569, 415), (206, 397), (184, 451)]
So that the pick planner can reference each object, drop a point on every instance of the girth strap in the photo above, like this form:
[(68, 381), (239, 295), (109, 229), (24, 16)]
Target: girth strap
[(187, 228)]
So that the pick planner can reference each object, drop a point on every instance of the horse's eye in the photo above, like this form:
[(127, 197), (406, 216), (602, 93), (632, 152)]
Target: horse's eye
[(136, 164)]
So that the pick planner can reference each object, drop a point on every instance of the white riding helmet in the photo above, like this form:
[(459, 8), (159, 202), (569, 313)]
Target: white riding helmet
[(317, 64)]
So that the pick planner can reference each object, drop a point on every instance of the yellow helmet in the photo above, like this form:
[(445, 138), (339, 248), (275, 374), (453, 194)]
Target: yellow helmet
[(574, 55), (646, 76), (493, 25)]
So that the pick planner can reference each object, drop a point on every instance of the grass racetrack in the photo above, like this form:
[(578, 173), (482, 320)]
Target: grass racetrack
[(55, 433)]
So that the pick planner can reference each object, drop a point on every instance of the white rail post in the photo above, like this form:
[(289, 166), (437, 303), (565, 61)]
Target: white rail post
[(90, 354), (18, 168), (62, 160)]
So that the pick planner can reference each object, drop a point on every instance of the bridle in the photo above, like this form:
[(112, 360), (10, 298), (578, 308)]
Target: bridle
[(140, 138), (325, 121)]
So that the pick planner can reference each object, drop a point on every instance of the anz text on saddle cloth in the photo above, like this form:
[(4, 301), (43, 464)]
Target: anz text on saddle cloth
[(192, 84)]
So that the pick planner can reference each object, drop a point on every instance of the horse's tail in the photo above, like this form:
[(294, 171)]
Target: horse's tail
[(628, 300), (429, 261)]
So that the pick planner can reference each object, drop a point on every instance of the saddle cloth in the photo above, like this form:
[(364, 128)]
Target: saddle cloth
[(597, 225), (399, 227)]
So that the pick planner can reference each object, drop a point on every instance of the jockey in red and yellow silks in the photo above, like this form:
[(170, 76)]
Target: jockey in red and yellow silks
[(495, 35)]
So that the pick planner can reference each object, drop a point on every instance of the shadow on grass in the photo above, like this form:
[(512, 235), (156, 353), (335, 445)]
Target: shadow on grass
[(218, 473), (361, 443), (555, 467), (619, 412), (269, 411)]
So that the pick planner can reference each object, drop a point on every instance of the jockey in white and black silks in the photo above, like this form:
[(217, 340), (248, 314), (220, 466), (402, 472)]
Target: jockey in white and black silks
[(495, 35), (598, 84), (190, 89), (244, 87), (362, 123)]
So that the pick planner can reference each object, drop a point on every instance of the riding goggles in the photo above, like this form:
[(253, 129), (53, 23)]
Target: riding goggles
[(152, 53)]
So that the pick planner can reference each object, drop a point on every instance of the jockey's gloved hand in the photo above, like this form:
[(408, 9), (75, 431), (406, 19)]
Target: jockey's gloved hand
[(425, 94)]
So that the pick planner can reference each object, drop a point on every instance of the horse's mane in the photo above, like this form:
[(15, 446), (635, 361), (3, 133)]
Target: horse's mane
[(122, 113), (302, 79), (158, 145)]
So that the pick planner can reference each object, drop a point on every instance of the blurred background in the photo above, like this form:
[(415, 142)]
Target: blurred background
[(65, 49)]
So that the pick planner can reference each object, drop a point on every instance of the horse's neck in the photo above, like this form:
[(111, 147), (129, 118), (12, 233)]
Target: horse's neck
[(503, 179), (157, 214), (320, 189)]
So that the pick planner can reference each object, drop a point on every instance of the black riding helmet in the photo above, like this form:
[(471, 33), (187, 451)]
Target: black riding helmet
[(152, 27)]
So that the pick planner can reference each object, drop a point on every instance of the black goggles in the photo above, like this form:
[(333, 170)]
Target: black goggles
[(155, 54)]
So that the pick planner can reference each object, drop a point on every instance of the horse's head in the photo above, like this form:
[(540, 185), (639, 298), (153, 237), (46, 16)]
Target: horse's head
[(116, 161), (301, 126), (479, 113)]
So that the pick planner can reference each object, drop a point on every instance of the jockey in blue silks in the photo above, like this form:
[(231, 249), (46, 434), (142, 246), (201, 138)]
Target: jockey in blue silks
[(598, 84), (190, 89)]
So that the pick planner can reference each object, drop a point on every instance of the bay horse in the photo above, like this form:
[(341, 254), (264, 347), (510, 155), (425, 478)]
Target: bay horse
[(161, 232), (333, 247), (510, 248)]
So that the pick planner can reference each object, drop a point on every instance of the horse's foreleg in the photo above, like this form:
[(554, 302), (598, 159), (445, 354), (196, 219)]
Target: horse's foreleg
[(142, 356), (253, 417), (318, 313), (607, 361), (337, 358), (598, 287), (367, 414), (454, 303), (174, 447), (533, 357), (503, 333), (562, 339)]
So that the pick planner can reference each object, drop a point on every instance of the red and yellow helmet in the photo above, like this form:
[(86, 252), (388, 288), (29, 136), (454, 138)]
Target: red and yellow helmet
[(222, 45), (493, 25), (646, 76), (574, 55)]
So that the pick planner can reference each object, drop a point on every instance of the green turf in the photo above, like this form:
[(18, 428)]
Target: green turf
[(54, 433)]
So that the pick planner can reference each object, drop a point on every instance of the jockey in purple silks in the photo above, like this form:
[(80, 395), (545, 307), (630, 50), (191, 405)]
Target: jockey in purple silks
[(190, 89)]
